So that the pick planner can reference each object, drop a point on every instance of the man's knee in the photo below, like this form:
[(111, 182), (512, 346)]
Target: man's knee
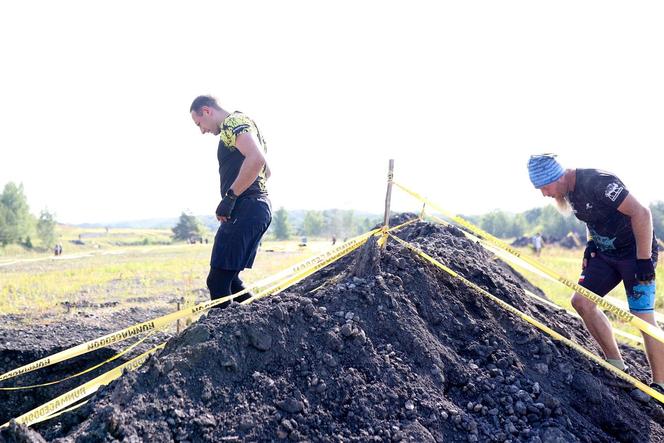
[(582, 305)]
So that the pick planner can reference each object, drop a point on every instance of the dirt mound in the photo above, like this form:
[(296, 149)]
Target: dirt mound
[(377, 347), (21, 344), (571, 241), (522, 242)]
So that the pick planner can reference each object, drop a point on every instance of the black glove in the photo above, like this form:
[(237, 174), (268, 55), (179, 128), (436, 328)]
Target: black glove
[(591, 248), (645, 270), (226, 206)]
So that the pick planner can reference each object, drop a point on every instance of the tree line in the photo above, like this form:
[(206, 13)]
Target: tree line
[(346, 223), (329, 223), (547, 221), (286, 224), (18, 225)]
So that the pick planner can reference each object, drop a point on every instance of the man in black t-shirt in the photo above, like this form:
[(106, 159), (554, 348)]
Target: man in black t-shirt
[(621, 247), (244, 210)]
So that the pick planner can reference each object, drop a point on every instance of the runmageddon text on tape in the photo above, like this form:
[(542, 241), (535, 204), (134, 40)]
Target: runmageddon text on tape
[(636, 383), (86, 389), (624, 315), (149, 325), (517, 261), (259, 287), (54, 407)]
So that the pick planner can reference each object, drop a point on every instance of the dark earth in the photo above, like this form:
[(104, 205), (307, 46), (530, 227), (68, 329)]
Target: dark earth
[(380, 346)]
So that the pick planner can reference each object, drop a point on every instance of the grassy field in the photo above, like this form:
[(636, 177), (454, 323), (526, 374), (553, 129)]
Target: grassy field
[(123, 268), (567, 263), (130, 267)]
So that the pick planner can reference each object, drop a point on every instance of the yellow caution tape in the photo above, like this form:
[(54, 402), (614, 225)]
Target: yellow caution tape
[(64, 411), (638, 384), (305, 272), (623, 304), (86, 389), (617, 331), (304, 269), (624, 315), (517, 261), (149, 325), (323, 262), (78, 374)]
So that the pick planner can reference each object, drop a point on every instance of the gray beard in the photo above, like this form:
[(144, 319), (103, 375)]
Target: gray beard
[(563, 206)]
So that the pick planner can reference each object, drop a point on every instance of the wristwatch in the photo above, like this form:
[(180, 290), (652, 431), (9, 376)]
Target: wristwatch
[(231, 194)]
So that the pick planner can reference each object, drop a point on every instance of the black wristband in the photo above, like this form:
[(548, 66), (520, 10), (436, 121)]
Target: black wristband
[(226, 206), (591, 248), (645, 269)]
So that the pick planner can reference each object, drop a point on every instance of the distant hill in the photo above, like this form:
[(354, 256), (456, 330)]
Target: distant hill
[(295, 218), (150, 223)]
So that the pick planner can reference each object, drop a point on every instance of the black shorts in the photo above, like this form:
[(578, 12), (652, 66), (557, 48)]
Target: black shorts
[(603, 273), (237, 240)]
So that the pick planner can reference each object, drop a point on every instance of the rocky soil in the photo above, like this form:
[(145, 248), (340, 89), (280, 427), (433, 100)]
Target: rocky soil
[(379, 346)]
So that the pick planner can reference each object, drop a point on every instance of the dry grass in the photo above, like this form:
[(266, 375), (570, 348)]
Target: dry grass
[(100, 272), (567, 263)]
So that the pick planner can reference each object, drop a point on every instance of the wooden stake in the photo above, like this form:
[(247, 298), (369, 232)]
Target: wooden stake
[(388, 196)]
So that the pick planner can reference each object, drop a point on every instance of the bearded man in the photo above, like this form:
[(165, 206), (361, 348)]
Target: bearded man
[(621, 247)]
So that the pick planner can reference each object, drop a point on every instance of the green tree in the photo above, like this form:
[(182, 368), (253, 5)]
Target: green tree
[(496, 223), (332, 222), (46, 228), (4, 230), (657, 210), (15, 219), (557, 226), (347, 222), (282, 227), (532, 216), (188, 226), (366, 224), (312, 223), (519, 225)]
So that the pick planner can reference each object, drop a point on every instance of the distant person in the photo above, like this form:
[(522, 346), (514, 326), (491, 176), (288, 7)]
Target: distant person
[(303, 241), (621, 247), (537, 243), (245, 210), (334, 240)]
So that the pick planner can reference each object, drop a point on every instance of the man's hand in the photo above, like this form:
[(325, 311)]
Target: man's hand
[(645, 270), (225, 208), (590, 252)]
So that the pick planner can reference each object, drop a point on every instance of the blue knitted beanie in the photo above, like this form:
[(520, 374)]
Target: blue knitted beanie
[(544, 169)]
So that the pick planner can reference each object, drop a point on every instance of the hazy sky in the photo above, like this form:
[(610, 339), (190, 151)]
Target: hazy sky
[(94, 100)]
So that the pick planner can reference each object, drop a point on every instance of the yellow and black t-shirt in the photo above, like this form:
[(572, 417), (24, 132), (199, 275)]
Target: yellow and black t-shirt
[(230, 158)]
